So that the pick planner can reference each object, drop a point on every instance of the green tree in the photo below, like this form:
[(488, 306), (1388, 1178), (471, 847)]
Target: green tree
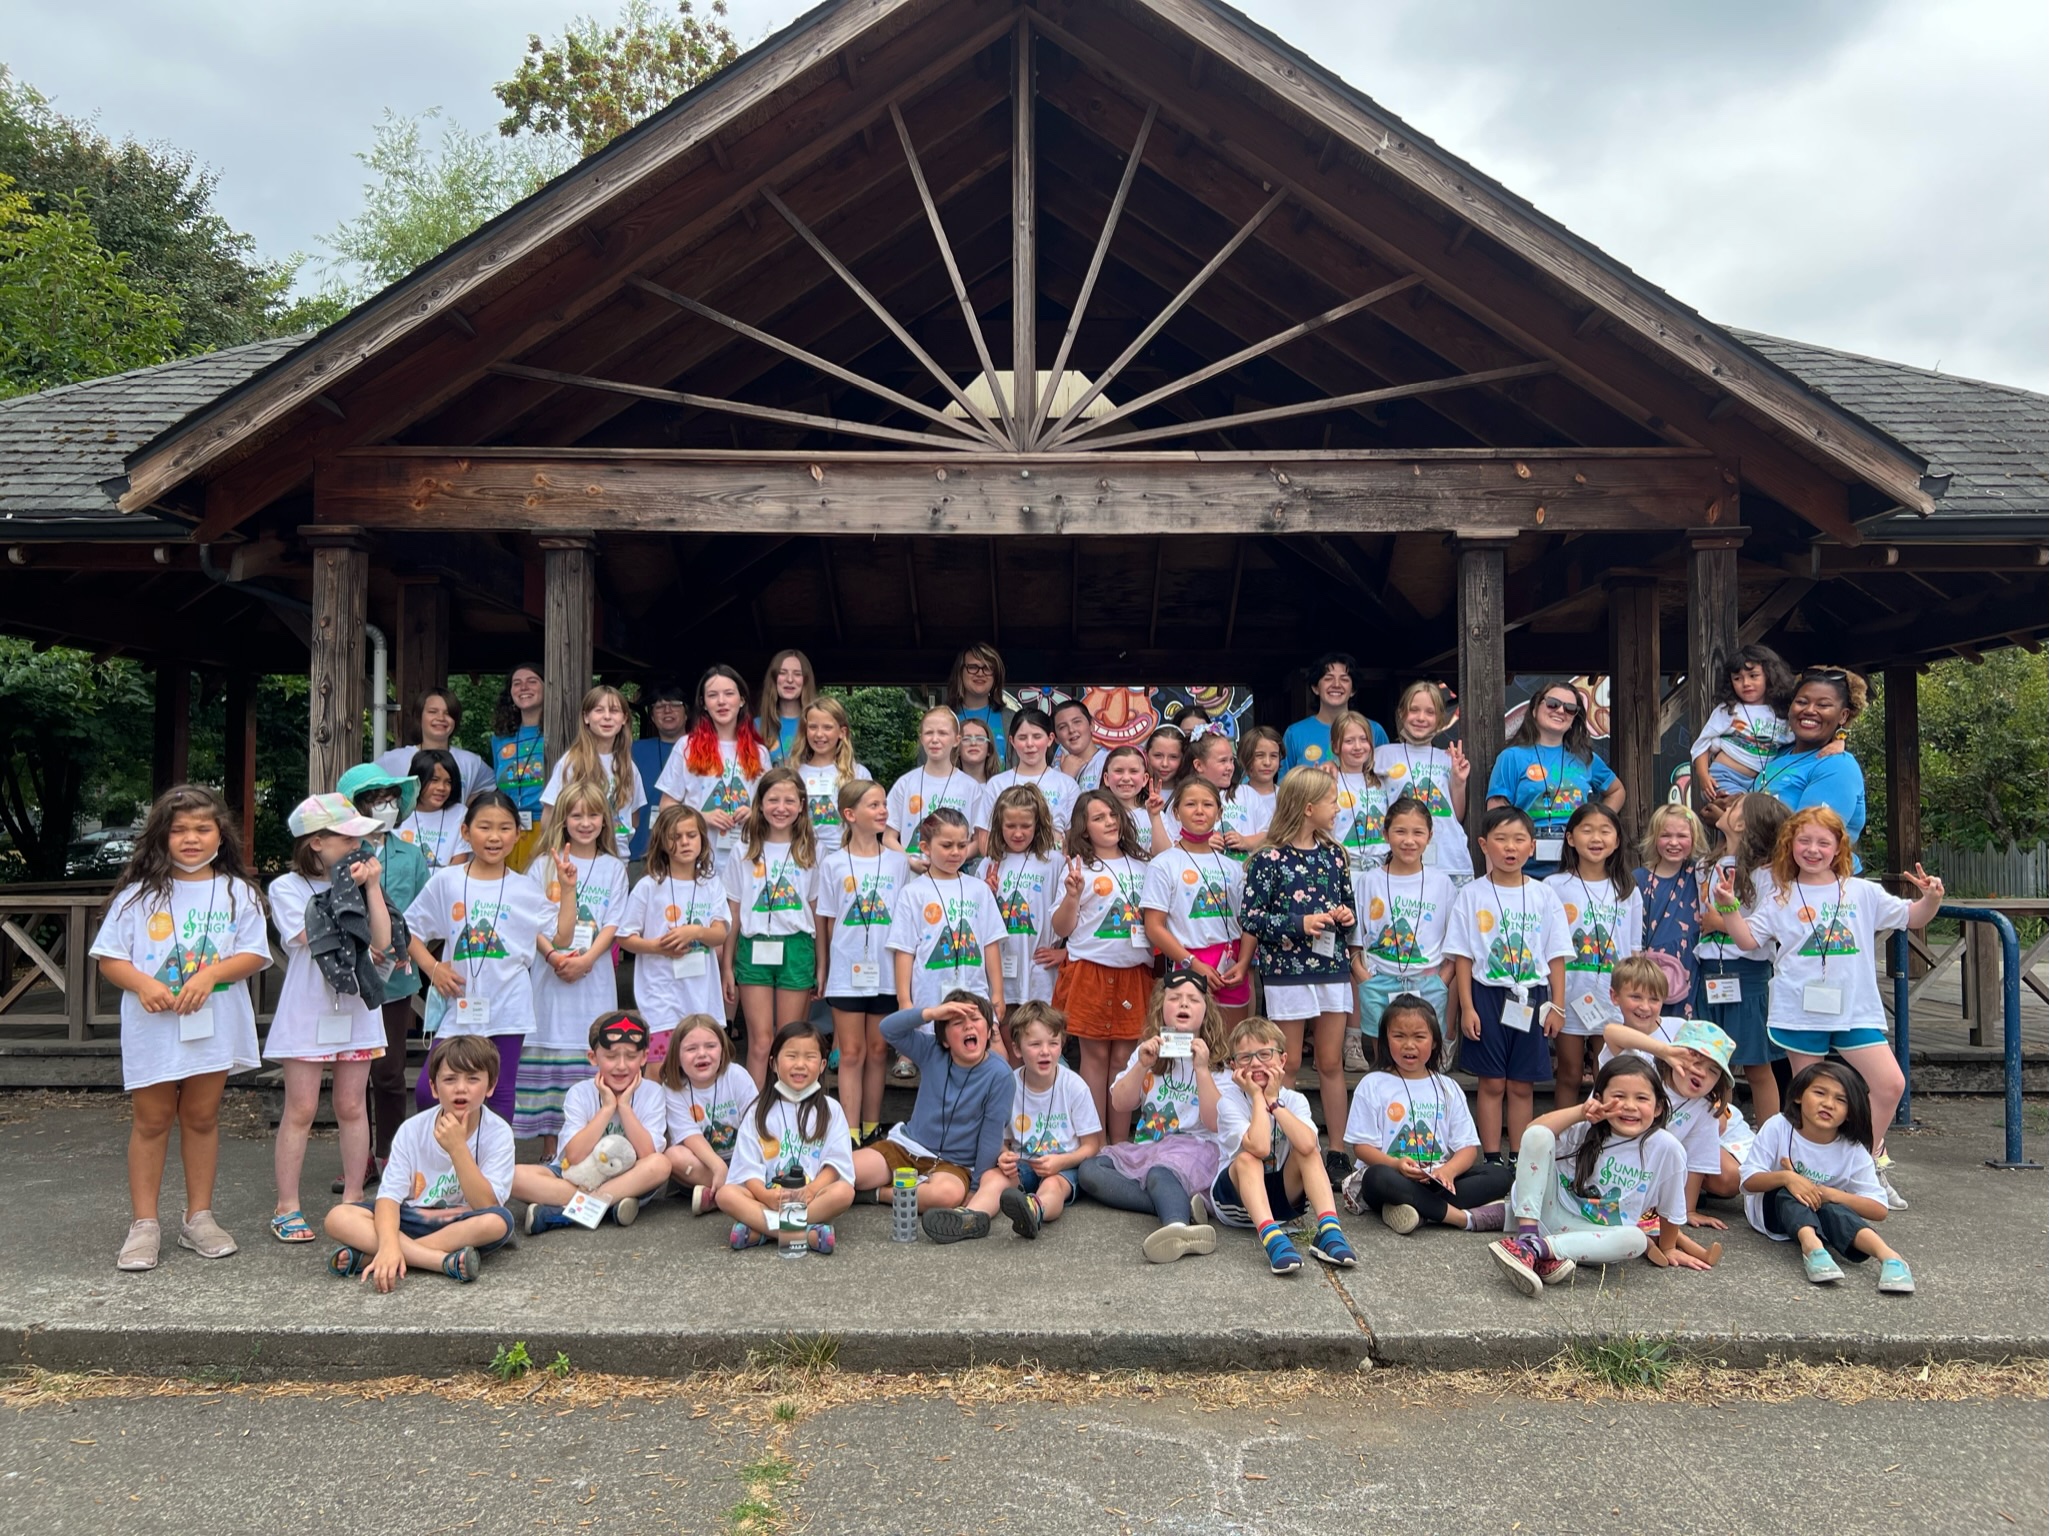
[(595, 82), (885, 729), (68, 731), (1984, 752), (152, 205), (68, 307)]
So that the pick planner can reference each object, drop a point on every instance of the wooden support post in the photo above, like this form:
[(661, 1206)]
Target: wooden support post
[(1633, 692), (341, 600), (422, 641), (1482, 661), (1024, 251), (569, 610), (171, 754), (1902, 767), (238, 753), (1710, 617)]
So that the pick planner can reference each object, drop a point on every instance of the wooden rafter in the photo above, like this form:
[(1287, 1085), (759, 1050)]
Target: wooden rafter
[(1088, 283), (734, 407), (1024, 207), (1173, 308), (960, 288)]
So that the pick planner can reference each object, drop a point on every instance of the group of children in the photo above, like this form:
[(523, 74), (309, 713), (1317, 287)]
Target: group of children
[(1141, 901)]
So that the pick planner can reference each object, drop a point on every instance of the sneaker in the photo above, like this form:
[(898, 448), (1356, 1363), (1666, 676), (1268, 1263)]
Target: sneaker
[(1026, 1219), (1178, 1239), (743, 1237), (204, 1236), (822, 1239), (1554, 1271), (1517, 1257), (903, 1069), (1492, 1217), (1493, 1160), (544, 1218), (1355, 1051), (1281, 1256), (141, 1247), (701, 1200), (1338, 1165), (1822, 1269), (1198, 1211), (626, 1210), (1350, 1190), (1331, 1246), (1894, 1200), (954, 1224), (1894, 1278), (1401, 1219)]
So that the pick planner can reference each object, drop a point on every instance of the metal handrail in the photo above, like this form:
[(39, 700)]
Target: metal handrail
[(2010, 978)]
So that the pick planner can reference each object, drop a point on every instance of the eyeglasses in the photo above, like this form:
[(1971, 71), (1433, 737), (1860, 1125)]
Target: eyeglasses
[(1258, 1058), (1563, 706), (982, 667)]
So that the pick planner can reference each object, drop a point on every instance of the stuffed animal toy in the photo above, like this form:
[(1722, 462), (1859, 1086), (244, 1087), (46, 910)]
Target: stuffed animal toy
[(612, 1156)]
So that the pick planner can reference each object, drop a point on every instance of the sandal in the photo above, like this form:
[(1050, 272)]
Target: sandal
[(141, 1248), (345, 1263), (461, 1265), (290, 1227)]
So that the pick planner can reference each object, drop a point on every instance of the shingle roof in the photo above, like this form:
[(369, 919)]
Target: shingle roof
[(59, 446), (1991, 439)]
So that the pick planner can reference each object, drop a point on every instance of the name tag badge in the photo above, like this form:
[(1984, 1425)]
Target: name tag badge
[(767, 951), (1820, 997), (1140, 941), (689, 965), (1724, 989), (1588, 1010), (586, 1210), (1010, 963), (198, 1024), (580, 939), (865, 977), (1325, 943), (526, 821), (1517, 1016), (334, 1027), (1358, 860), (473, 1012), (1550, 850)]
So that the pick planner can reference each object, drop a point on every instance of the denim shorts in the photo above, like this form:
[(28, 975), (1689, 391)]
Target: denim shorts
[(1376, 992), (412, 1224), (1819, 1042), (1029, 1181)]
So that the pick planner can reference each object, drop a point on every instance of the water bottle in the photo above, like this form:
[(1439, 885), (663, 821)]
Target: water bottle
[(903, 1206), (794, 1238)]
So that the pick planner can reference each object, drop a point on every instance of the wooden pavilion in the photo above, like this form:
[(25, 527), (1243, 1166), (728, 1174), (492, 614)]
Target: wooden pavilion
[(1117, 332)]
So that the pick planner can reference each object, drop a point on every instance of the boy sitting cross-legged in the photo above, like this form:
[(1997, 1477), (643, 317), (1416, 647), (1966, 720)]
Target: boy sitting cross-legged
[(615, 1101), (441, 1204), (1273, 1170)]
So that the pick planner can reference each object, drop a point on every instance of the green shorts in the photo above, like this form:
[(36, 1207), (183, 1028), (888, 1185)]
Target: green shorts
[(797, 971)]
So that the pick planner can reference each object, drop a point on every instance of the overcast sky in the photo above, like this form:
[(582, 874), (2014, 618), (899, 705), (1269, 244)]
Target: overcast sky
[(1865, 174)]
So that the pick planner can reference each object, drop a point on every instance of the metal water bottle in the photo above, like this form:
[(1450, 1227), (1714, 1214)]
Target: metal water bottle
[(793, 1235), (903, 1206)]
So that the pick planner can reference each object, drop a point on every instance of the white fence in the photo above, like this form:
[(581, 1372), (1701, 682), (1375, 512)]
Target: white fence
[(1991, 871)]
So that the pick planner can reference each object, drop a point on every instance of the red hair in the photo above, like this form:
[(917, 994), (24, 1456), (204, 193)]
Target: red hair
[(701, 747)]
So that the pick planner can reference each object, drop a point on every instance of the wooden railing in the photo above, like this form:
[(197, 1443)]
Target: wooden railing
[(1977, 951), (46, 934)]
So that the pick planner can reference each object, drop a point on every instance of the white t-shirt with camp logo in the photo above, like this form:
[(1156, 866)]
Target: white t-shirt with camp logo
[(1424, 773), (1201, 893), (1246, 812), (859, 896), (1693, 1122), (305, 1001), (729, 790), (822, 788), (580, 1107), (1633, 1179), (420, 1175), (1108, 928), (716, 1111), (774, 895), (1826, 936), (1511, 933), (1170, 1102), (1840, 1164), (203, 923), (759, 1154), (490, 927), (1424, 1119), (1026, 887), (623, 816), (1052, 1121), (1601, 931), (947, 928), (661, 993), (563, 1010), (1060, 791), (918, 794), (1403, 920), (1361, 825)]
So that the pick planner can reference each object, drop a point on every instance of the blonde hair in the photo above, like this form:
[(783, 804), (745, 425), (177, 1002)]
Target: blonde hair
[(1351, 720), (580, 795), (1022, 797), (843, 758), (953, 757), (1640, 973), (1025, 1015), (584, 760), (1401, 705), (1671, 810), (1302, 788), (1265, 1032), (803, 841), (670, 1074)]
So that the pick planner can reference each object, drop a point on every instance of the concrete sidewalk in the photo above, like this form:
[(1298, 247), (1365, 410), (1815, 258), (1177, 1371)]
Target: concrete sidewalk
[(666, 1295)]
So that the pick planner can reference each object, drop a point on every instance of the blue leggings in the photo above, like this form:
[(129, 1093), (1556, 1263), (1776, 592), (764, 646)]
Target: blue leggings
[(1161, 1194)]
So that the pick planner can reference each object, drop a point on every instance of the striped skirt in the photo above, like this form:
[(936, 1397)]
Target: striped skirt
[(545, 1077)]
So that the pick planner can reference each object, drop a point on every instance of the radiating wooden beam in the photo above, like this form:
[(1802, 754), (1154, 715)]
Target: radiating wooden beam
[(1124, 440), (1279, 338), (1088, 285), (1174, 306), (960, 288), (735, 407), (1024, 207), (881, 312)]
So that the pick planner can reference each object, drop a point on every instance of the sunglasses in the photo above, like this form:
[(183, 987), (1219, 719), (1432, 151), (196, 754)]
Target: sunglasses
[(1563, 706)]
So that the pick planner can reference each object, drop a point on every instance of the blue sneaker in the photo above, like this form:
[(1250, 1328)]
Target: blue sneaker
[(1823, 1270), (544, 1218), (1894, 1278), (1281, 1256), (1330, 1246)]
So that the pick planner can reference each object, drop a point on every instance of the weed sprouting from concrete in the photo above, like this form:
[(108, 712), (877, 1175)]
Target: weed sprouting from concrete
[(511, 1363)]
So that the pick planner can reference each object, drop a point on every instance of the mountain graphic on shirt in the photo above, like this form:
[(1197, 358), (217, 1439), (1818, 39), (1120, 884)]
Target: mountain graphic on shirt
[(727, 795), (825, 810), (1835, 937), (1419, 1142), (1397, 942), (478, 941), (185, 960), (1593, 948), (778, 895), (1016, 907), (1431, 793), (1365, 830), (1509, 958), (1118, 920), (1604, 1207), (1209, 902), (1551, 804), (957, 947), (867, 910), (1158, 1122)]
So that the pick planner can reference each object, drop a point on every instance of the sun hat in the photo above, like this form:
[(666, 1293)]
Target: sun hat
[(330, 813), (1710, 1041), (368, 776)]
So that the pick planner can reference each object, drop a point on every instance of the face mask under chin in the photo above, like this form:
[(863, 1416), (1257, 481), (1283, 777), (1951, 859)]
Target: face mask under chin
[(192, 869), (796, 1095)]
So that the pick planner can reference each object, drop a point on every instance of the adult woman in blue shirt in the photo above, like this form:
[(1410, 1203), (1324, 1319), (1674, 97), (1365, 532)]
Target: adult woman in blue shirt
[(1814, 770)]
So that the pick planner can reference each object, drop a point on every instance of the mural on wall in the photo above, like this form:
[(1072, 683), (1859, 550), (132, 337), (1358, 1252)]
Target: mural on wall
[(1125, 716)]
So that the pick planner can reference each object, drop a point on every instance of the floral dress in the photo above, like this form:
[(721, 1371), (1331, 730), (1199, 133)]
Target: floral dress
[(1284, 884)]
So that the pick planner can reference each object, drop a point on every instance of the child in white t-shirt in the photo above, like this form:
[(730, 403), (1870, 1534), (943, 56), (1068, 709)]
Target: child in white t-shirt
[(441, 1202), (793, 1151), (1810, 1176), (615, 1103), (945, 929), (1747, 724), (1192, 896), (1410, 765), (1272, 1155), (674, 925), (1054, 1128), (709, 1095), (1404, 910), (857, 886), (1023, 870), (1031, 739), (1604, 921)]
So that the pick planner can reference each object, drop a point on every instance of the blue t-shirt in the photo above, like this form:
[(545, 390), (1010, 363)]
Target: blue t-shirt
[(520, 762), (782, 742), (1547, 783), (650, 756), (1307, 743), (1801, 779)]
